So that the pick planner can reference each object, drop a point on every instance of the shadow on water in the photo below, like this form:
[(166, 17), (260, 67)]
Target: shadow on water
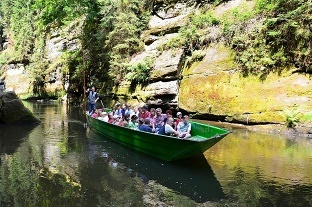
[(192, 177), (11, 136)]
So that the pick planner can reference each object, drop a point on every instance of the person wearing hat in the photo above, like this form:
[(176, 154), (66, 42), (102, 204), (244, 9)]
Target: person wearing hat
[(116, 119), (103, 117), (179, 118)]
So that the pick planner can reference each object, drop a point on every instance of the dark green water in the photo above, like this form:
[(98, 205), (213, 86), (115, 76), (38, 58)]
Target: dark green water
[(59, 163)]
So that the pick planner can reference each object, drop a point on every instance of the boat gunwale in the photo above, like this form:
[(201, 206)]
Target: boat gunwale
[(217, 136)]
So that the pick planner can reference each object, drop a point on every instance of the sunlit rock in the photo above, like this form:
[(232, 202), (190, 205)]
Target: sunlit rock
[(215, 89), (167, 64)]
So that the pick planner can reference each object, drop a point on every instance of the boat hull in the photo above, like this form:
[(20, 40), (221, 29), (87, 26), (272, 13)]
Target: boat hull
[(163, 147)]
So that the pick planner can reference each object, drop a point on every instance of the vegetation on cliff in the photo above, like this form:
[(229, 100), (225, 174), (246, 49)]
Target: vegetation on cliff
[(266, 35)]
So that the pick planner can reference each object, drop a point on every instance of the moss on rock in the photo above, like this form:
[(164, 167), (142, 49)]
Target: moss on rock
[(214, 87)]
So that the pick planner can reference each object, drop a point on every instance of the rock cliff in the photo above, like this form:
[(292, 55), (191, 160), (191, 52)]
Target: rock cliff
[(214, 88), (210, 85)]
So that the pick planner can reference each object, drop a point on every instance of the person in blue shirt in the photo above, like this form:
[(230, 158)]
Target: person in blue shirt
[(184, 128), (118, 111), (145, 126)]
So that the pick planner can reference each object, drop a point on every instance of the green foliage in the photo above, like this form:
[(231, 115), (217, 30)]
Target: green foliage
[(283, 40), (196, 56), (139, 73), (292, 116), (120, 30), (307, 117), (190, 35), (18, 17)]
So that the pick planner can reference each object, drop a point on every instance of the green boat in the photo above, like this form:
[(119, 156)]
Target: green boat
[(161, 146)]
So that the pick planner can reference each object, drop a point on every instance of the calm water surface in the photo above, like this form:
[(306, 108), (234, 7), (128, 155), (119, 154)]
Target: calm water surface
[(59, 163)]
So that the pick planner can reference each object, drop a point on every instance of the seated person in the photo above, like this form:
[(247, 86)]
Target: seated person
[(152, 116), (179, 118), (168, 114), (118, 110), (128, 109), (118, 120), (110, 117), (103, 117), (145, 126), (133, 122), (159, 119), (145, 113), (184, 128), (138, 112), (126, 117), (167, 129), (94, 113), (123, 110), (125, 123)]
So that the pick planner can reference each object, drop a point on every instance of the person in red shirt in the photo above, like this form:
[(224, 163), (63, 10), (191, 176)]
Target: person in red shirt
[(145, 113), (179, 119)]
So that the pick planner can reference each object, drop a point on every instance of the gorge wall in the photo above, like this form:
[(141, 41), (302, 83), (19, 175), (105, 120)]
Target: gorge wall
[(207, 82), (214, 88)]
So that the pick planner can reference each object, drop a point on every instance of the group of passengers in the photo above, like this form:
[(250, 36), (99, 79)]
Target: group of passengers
[(140, 118)]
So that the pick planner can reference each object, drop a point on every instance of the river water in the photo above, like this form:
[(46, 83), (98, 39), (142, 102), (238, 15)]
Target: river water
[(60, 163)]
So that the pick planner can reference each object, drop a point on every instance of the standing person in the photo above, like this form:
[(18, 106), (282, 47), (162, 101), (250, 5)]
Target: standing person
[(92, 99)]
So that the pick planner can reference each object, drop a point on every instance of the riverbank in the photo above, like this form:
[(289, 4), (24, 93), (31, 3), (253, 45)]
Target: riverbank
[(278, 129)]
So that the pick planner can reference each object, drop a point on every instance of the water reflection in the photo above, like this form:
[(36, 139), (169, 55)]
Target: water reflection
[(192, 177), (263, 170), (59, 163), (11, 136)]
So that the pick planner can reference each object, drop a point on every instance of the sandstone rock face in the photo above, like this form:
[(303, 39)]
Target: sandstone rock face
[(214, 88), (166, 65), (17, 77), (158, 93), (163, 86), (12, 110)]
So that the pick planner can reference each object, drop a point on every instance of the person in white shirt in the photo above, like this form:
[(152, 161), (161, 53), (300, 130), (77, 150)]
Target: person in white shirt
[(184, 128), (103, 117), (168, 127), (129, 110), (118, 110)]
